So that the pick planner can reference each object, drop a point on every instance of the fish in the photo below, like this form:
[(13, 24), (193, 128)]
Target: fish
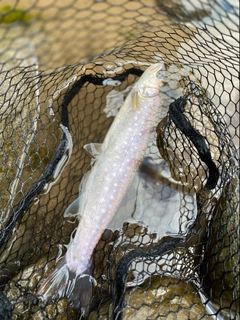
[(210, 310), (116, 161), (209, 307)]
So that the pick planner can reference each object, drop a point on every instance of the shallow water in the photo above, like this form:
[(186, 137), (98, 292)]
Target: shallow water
[(75, 39)]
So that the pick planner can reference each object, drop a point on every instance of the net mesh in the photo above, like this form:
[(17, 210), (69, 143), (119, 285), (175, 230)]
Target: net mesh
[(172, 248)]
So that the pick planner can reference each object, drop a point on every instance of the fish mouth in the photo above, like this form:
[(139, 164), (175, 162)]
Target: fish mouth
[(157, 70), (157, 67), (160, 68), (159, 73)]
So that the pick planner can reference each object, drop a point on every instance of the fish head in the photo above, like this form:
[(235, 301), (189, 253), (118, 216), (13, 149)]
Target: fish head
[(153, 78)]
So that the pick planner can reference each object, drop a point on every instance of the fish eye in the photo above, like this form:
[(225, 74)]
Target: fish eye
[(149, 91)]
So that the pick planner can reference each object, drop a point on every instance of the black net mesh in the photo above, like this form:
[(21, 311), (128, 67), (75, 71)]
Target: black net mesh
[(171, 250)]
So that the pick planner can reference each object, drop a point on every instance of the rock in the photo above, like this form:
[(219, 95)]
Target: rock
[(158, 298)]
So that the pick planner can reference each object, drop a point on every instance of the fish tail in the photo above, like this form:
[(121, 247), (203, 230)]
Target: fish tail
[(63, 282)]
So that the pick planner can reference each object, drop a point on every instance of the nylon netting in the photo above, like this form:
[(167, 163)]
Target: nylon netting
[(66, 68)]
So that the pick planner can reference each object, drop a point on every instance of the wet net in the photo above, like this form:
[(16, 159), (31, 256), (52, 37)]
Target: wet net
[(171, 249)]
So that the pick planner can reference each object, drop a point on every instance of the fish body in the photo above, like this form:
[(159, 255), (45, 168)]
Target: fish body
[(120, 156), (209, 307)]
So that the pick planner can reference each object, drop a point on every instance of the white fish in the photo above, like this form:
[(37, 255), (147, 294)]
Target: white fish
[(119, 157), (209, 307), (206, 302)]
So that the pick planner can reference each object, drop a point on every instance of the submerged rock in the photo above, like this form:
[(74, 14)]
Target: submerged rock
[(160, 297)]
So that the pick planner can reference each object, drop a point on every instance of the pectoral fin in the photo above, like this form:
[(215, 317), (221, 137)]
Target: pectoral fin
[(135, 100), (72, 209), (93, 149)]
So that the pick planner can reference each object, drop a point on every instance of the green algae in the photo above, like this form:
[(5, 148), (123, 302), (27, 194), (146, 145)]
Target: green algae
[(9, 15)]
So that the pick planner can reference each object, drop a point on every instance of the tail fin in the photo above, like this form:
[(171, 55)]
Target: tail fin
[(66, 283)]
